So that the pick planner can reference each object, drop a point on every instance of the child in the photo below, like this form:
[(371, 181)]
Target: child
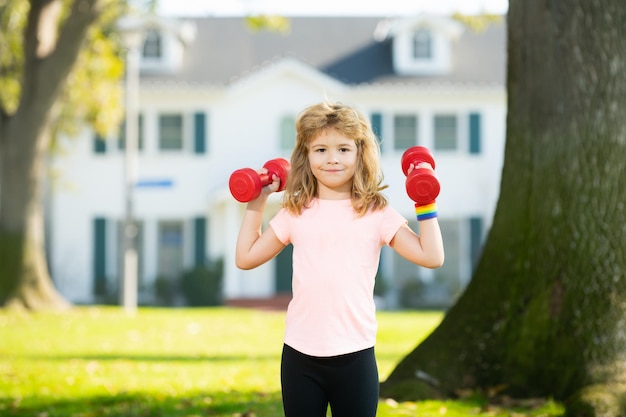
[(337, 220)]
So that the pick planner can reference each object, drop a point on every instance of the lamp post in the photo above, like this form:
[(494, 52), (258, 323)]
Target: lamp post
[(133, 38), (133, 29)]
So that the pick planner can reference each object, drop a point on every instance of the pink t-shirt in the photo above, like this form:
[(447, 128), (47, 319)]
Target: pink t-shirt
[(335, 259)]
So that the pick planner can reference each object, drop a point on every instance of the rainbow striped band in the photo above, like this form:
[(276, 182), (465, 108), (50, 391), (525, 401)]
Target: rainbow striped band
[(426, 211)]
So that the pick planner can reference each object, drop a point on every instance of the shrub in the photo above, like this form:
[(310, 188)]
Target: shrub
[(412, 294), (165, 290), (202, 285)]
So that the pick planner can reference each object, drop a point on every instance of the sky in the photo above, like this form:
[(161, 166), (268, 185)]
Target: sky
[(328, 7)]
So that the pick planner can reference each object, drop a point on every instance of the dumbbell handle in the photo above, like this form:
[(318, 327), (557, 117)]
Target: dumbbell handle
[(246, 184)]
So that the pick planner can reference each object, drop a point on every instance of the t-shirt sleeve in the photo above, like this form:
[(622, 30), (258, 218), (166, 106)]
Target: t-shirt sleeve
[(392, 222), (280, 225)]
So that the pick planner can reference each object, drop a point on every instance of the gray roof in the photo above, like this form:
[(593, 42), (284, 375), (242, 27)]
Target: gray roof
[(341, 47)]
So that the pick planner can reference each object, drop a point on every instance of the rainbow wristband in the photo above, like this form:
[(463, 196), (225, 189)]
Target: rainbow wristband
[(426, 211)]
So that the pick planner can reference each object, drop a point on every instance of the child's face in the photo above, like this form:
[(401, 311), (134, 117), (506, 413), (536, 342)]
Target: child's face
[(333, 159)]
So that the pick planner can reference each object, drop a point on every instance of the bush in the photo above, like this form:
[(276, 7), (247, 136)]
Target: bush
[(202, 285), (412, 294), (165, 290)]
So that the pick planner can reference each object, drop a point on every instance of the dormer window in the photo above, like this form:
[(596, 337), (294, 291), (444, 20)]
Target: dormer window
[(162, 52), (164, 42), (422, 45), (152, 47)]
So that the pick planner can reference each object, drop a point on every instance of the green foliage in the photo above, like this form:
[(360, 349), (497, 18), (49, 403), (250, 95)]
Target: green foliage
[(12, 18), (93, 91), (202, 286), (478, 23), (164, 289), (184, 362), (267, 22)]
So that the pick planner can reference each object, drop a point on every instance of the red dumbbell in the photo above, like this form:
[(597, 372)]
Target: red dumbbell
[(421, 184), (245, 184)]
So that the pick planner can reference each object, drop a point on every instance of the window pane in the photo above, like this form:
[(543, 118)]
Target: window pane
[(445, 132), (170, 263), (170, 131), (405, 131), (152, 45), (422, 42)]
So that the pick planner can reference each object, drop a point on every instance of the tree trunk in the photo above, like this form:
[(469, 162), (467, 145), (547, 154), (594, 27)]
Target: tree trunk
[(22, 246), (544, 314), (50, 51)]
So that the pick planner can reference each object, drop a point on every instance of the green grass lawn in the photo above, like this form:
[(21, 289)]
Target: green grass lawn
[(96, 362)]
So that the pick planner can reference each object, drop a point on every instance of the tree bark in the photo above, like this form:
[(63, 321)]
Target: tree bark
[(544, 313), (24, 141)]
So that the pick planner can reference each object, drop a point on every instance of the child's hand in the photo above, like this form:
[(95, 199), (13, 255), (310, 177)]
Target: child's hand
[(421, 165), (273, 186)]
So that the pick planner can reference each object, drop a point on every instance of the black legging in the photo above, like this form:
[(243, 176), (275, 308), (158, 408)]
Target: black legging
[(349, 383)]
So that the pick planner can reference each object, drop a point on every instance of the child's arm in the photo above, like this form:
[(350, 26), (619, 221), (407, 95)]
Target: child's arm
[(255, 247), (426, 249)]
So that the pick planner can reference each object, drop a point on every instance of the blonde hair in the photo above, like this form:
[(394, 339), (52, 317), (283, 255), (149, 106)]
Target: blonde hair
[(301, 185)]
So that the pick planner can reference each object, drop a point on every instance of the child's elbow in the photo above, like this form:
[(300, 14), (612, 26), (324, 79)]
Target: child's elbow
[(243, 264), (436, 262)]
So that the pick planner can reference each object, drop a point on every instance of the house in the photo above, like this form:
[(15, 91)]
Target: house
[(227, 98)]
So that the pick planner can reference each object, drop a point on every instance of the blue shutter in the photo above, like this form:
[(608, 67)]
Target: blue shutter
[(474, 133), (476, 237), (200, 132), (99, 256), (199, 227), (99, 144), (377, 125)]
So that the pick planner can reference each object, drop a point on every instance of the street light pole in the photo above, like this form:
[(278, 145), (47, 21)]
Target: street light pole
[(132, 29), (133, 40)]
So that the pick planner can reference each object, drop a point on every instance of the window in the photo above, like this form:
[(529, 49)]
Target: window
[(152, 45), (405, 131), (170, 251), (445, 132), (121, 143), (422, 45), (287, 133), (170, 132)]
